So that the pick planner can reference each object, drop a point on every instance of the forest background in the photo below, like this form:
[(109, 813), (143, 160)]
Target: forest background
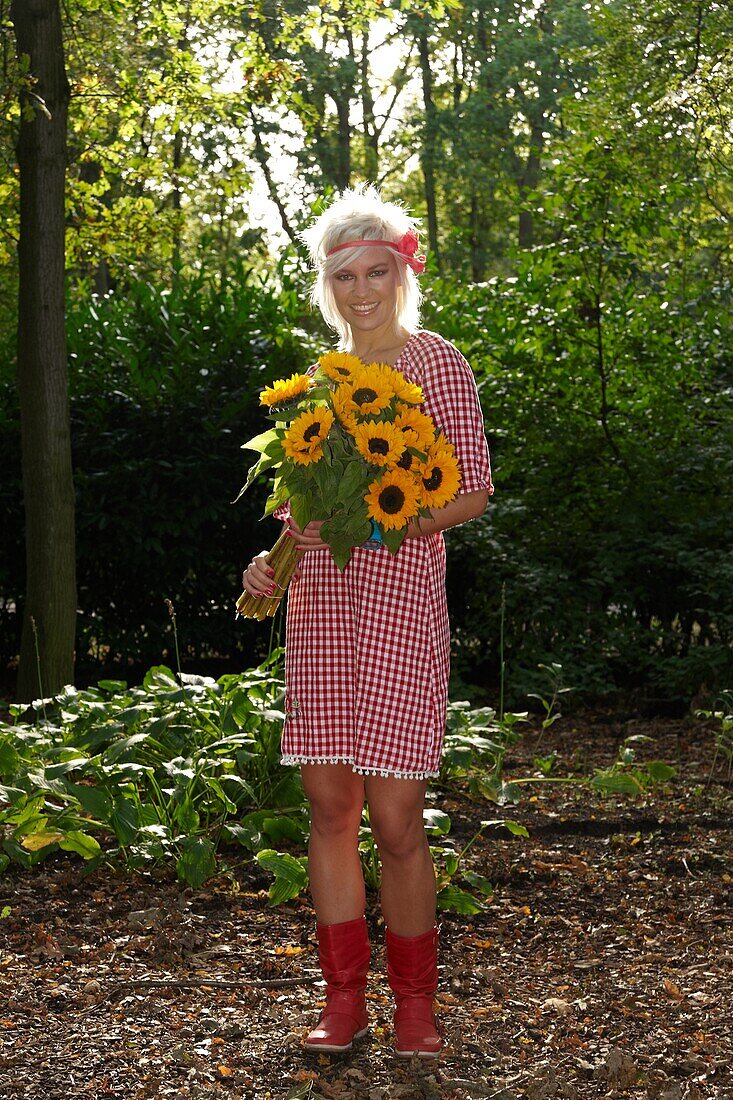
[(572, 165)]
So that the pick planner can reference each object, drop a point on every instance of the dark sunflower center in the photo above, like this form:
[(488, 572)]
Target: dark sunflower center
[(312, 432), (364, 395), (405, 463), (379, 446), (392, 500), (434, 481)]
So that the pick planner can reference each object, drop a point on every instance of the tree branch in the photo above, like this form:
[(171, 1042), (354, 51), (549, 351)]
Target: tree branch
[(261, 155)]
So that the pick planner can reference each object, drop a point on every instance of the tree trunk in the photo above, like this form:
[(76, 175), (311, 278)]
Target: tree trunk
[(428, 154), (343, 148), (261, 154), (48, 488), (371, 138)]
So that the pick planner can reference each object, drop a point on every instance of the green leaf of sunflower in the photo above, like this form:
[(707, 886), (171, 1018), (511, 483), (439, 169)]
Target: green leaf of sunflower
[(261, 442), (300, 510), (394, 539), (354, 482)]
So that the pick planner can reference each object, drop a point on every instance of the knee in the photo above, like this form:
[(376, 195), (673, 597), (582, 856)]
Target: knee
[(333, 816), (399, 839)]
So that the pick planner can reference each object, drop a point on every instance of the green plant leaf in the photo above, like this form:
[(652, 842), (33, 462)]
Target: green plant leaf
[(284, 828), (124, 820), (81, 843), (214, 785), (436, 822), (479, 882), (94, 801), (159, 676), (394, 539), (291, 877), (197, 861), (659, 772), (261, 442), (9, 760), (455, 900), (617, 783), (450, 863), (186, 816)]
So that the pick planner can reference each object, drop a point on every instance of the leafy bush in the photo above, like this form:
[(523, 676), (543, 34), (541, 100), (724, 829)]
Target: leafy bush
[(606, 387), (164, 390), (609, 531), (166, 772), (159, 770)]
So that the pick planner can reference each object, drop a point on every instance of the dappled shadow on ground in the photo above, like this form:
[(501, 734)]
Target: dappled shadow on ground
[(600, 968)]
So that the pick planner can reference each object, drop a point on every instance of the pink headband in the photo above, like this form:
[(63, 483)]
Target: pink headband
[(406, 248)]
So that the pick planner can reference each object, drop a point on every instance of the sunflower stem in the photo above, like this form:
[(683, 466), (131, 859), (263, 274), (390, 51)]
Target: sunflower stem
[(283, 558)]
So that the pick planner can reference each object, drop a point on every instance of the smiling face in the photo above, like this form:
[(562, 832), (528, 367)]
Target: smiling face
[(366, 291)]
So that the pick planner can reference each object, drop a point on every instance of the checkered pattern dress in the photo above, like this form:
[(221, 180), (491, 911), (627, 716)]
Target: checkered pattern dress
[(367, 650)]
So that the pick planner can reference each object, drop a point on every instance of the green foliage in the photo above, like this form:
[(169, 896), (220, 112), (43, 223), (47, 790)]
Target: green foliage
[(722, 713), (164, 387), (602, 346), (159, 771), (475, 746), (608, 409), (171, 770), (626, 776)]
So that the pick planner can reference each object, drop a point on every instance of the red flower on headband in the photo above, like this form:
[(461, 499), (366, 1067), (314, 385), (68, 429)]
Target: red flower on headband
[(407, 247)]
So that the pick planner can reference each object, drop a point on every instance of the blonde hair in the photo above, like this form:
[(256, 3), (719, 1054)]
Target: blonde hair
[(359, 214)]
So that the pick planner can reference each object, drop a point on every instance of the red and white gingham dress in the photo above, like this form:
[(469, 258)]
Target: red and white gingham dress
[(367, 650)]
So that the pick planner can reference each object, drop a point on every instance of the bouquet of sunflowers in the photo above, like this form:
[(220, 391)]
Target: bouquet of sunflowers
[(350, 446)]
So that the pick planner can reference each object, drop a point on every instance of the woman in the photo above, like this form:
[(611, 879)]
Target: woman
[(367, 650)]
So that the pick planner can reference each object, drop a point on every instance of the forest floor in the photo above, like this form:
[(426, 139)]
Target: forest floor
[(601, 966)]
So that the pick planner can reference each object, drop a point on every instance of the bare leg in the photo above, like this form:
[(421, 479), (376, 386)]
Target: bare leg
[(408, 876), (336, 796)]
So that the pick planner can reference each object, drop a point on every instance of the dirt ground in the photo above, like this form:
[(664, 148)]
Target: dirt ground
[(601, 967)]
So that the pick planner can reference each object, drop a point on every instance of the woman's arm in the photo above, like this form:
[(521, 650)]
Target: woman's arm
[(466, 506)]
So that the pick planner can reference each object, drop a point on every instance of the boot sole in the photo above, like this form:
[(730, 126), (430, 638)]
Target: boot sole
[(328, 1048), (419, 1053)]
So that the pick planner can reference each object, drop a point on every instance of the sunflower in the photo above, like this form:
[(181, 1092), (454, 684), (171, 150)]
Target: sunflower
[(285, 389), (408, 461), (393, 500), (440, 475), (303, 439), (404, 390), (418, 428), (380, 444), (368, 393), (339, 366), (344, 410)]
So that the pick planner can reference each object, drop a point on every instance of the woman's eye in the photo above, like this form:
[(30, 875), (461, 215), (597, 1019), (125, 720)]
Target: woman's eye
[(380, 272), (343, 278)]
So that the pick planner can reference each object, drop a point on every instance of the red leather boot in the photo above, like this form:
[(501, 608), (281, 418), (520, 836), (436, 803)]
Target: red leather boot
[(412, 969), (344, 955)]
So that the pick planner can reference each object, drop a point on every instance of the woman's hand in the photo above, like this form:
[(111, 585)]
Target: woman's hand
[(309, 538), (257, 578)]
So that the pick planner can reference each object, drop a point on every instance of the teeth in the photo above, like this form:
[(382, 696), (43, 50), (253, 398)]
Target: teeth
[(363, 309)]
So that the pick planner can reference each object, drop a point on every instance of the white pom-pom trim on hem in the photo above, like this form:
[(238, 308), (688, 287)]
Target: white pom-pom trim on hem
[(291, 761)]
